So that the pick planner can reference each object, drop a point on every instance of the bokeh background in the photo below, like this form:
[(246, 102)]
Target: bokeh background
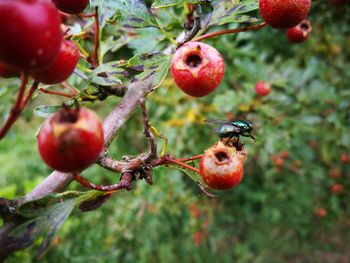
[(285, 210)]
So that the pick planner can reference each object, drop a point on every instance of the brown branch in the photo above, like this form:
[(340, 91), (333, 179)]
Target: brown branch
[(95, 54), (148, 134), (16, 109), (29, 94), (229, 31), (57, 181), (57, 93)]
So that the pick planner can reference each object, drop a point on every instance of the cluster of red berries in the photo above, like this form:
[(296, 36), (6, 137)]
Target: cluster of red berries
[(287, 14), (32, 41)]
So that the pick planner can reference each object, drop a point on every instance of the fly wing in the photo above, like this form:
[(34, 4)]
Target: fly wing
[(218, 122)]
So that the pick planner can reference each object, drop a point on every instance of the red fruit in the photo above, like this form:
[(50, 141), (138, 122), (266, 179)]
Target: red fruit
[(300, 32), (345, 158), (63, 66), (30, 33), (221, 167), (262, 88), (321, 212), (6, 72), (71, 140), (284, 13), (197, 68), (71, 6), (334, 173), (284, 154), (337, 188)]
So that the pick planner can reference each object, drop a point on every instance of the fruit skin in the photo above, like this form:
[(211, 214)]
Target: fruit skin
[(30, 34), (71, 140), (299, 33), (337, 188), (71, 6), (321, 212), (345, 158), (63, 66), (262, 88), (197, 68), (221, 167), (284, 13), (6, 72)]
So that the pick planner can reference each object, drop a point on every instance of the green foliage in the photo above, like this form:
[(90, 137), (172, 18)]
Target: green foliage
[(270, 216)]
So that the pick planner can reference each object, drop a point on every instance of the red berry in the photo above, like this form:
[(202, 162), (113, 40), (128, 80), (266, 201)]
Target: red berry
[(321, 212), (6, 72), (63, 66), (262, 88), (197, 68), (221, 167), (345, 158), (71, 6), (30, 33), (284, 154), (284, 13), (337, 188), (71, 140), (300, 32), (334, 173)]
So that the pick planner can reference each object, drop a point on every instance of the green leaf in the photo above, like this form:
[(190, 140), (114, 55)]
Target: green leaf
[(46, 110), (228, 11), (166, 3), (131, 13), (46, 216), (154, 65), (109, 74)]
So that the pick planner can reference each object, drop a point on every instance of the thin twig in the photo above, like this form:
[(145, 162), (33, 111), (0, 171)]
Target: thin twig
[(148, 134), (62, 94), (192, 158), (196, 26), (230, 31), (125, 183), (70, 88), (174, 161), (16, 109), (29, 94), (95, 55)]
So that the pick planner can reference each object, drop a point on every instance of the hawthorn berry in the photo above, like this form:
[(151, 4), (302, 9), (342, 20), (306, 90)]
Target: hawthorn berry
[(337, 188), (300, 32), (71, 140), (30, 34), (334, 173), (6, 72), (321, 212), (262, 88), (71, 6), (197, 68), (284, 13), (63, 66), (345, 158), (221, 166)]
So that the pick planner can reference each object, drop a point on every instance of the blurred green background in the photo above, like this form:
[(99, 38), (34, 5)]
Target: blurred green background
[(274, 215)]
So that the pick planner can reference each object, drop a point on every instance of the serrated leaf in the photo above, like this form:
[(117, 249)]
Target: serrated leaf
[(109, 74), (46, 110), (46, 216), (131, 13), (167, 3), (229, 11), (154, 65)]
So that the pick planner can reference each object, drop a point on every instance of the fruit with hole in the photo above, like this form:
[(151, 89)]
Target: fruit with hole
[(197, 68)]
